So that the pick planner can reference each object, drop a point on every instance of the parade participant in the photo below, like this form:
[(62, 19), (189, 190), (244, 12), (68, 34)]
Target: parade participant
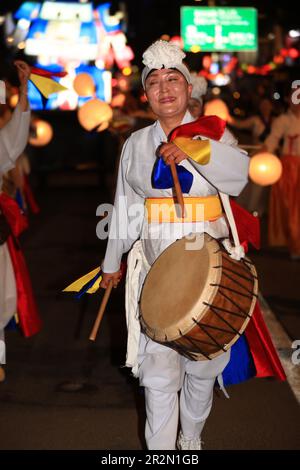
[(284, 211), (15, 289), (195, 105), (161, 370), (259, 124), (255, 197)]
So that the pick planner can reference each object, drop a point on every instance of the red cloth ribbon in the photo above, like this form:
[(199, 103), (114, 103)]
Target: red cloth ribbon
[(29, 318), (30, 321), (247, 225), (47, 73), (14, 217), (263, 352), (211, 127)]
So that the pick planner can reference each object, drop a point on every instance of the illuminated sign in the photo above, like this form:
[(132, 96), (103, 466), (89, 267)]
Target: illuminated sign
[(67, 11), (219, 29)]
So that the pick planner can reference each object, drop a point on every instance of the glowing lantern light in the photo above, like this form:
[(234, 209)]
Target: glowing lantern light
[(93, 114), (218, 108), (13, 100), (265, 169), (44, 133), (278, 59), (251, 69), (127, 71), (118, 100), (177, 40), (84, 84), (293, 53), (206, 62), (195, 49)]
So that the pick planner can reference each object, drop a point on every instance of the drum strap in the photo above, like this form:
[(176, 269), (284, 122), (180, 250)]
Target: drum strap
[(136, 262), (222, 386), (198, 209), (237, 251)]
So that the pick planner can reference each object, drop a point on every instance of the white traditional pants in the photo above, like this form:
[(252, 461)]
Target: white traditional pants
[(163, 373)]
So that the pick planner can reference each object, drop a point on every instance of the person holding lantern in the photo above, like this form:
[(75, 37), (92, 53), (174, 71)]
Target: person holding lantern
[(284, 210), (15, 288)]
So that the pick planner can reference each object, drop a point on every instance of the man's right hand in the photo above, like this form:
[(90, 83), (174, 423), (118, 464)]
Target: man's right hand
[(107, 277)]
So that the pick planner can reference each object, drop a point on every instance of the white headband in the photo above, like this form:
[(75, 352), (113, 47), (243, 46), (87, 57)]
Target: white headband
[(163, 54), (199, 86)]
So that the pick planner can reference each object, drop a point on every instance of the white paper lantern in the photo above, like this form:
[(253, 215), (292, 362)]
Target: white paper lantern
[(44, 133), (84, 84), (93, 114), (265, 169), (216, 108)]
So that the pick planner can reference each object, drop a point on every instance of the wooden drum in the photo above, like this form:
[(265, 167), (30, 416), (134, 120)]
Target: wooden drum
[(198, 301)]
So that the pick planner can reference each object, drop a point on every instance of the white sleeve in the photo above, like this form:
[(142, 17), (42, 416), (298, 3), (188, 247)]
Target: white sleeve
[(126, 225), (13, 138), (227, 169), (228, 138), (278, 130), (4, 157)]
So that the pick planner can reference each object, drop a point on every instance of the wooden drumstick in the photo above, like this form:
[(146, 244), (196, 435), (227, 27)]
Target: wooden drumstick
[(101, 311), (177, 187)]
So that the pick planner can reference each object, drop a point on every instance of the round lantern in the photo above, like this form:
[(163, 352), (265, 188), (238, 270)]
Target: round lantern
[(93, 114), (216, 108), (265, 169), (84, 84), (13, 100), (44, 133)]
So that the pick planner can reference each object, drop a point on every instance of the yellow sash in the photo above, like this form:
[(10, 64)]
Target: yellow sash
[(197, 209)]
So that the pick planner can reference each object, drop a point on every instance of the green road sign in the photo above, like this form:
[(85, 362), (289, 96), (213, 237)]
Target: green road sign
[(219, 29)]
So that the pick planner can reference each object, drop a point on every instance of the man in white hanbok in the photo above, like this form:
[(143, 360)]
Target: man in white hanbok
[(161, 370), (13, 139)]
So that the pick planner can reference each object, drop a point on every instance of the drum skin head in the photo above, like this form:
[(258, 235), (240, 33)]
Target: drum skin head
[(196, 299), (175, 288)]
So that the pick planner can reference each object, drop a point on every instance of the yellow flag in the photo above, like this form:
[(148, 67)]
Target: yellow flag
[(77, 285), (46, 85), (198, 150)]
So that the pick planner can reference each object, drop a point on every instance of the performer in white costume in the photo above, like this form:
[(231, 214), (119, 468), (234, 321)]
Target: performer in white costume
[(284, 218), (161, 370), (199, 89), (13, 139)]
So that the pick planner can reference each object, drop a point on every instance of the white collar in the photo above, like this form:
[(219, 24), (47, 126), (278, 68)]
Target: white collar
[(158, 132)]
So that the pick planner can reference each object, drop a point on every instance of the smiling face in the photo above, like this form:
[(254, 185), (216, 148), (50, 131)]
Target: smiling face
[(168, 93)]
